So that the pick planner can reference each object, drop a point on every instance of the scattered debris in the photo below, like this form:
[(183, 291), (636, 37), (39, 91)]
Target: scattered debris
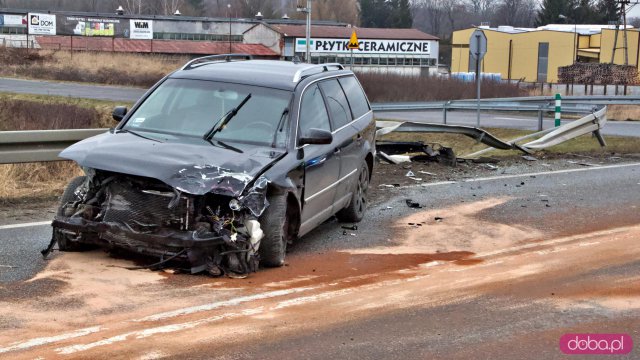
[(438, 219), (529, 158), (415, 178), (394, 159), (426, 173), (485, 160), (581, 163), (410, 174), (351, 227), (398, 152), (491, 167), (413, 204)]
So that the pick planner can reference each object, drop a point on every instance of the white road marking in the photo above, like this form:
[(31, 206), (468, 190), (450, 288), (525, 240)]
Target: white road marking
[(225, 303), (511, 118), (567, 171), (17, 226), (48, 340)]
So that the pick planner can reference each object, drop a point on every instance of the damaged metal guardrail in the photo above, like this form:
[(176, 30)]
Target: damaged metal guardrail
[(589, 124)]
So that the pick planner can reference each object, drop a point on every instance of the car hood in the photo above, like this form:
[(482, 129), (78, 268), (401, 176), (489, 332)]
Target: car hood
[(190, 165)]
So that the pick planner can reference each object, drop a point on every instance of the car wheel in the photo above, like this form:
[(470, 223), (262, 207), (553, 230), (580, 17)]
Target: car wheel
[(65, 242), (354, 212), (275, 224)]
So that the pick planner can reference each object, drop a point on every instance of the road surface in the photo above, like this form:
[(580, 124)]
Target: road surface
[(130, 95), (494, 267)]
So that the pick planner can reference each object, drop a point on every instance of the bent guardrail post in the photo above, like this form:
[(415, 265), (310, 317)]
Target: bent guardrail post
[(39, 145), (588, 124)]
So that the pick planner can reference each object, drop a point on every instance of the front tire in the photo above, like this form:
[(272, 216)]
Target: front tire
[(65, 241), (275, 224), (354, 212)]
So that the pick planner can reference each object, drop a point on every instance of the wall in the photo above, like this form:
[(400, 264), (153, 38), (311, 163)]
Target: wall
[(263, 34), (606, 47), (524, 53)]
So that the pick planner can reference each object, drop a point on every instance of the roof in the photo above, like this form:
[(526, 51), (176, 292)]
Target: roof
[(268, 73), (169, 17), (345, 32), (158, 46), (582, 29)]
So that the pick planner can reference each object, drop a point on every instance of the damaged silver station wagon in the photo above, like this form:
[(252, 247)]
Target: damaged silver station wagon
[(222, 164)]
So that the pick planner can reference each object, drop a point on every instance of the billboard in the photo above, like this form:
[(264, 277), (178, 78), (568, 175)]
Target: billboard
[(367, 46), (92, 26), (42, 24), (13, 20), (141, 29)]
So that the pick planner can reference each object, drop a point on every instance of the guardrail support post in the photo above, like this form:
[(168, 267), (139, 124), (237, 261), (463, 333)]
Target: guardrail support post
[(444, 112), (600, 138), (540, 118)]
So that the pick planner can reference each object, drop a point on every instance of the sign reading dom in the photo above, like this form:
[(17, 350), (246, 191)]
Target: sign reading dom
[(42, 24), (141, 29)]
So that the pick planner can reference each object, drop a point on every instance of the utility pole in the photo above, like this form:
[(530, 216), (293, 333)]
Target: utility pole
[(307, 10)]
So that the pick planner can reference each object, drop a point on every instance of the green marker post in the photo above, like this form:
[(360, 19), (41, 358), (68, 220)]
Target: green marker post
[(558, 109)]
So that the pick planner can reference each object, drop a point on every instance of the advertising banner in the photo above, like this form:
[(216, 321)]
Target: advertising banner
[(91, 26), (42, 24), (367, 46), (141, 29), (13, 20)]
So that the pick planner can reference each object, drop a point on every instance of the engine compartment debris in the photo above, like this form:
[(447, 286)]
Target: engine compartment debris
[(216, 232)]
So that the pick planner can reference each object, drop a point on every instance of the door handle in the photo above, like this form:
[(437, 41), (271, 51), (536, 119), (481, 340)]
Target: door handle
[(337, 151)]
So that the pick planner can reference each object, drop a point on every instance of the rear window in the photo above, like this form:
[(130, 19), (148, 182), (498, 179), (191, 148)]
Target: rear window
[(355, 95)]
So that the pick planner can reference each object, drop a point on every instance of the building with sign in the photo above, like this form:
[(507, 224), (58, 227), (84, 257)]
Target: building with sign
[(405, 51), (535, 54)]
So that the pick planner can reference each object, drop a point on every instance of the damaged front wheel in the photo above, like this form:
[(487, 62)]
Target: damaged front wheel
[(66, 241), (275, 224)]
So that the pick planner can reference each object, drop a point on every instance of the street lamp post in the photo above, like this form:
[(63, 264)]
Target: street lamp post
[(307, 10), (229, 16)]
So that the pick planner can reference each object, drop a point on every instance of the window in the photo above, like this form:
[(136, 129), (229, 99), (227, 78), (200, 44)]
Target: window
[(313, 112), (355, 95), (193, 107), (337, 101)]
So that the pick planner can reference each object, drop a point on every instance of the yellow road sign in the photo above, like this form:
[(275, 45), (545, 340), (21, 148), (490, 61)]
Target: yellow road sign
[(353, 42)]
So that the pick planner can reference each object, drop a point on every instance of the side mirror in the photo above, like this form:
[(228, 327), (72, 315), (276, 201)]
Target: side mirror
[(316, 137), (119, 112)]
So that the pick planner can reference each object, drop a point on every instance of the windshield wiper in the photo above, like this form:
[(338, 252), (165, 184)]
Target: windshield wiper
[(279, 127), (136, 134), (220, 124)]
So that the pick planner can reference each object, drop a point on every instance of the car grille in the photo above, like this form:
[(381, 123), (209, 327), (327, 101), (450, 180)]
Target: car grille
[(143, 210)]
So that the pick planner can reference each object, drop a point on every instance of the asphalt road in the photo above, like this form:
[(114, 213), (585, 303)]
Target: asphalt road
[(130, 95), (515, 261), (74, 90)]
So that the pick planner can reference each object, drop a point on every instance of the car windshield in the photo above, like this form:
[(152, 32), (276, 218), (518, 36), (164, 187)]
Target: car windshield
[(193, 107)]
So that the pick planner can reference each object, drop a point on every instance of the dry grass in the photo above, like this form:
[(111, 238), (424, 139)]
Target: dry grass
[(26, 112), (96, 67), (35, 180), (623, 112), (395, 88)]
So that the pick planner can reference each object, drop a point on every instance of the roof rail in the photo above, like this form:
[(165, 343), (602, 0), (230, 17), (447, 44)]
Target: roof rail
[(205, 60), (315, 69)]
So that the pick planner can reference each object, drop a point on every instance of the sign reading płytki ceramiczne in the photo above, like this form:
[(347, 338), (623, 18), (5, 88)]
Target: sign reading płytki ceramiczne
[(141, 29), (42, 24), (368, 46)]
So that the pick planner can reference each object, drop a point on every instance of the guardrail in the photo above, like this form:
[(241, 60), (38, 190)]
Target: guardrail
[(45, 145)]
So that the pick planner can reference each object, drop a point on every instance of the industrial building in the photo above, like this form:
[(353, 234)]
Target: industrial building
[(534, 55), (406, 51)]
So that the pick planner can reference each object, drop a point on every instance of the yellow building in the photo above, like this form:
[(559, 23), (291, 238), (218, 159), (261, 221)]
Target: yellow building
[(534, 55)]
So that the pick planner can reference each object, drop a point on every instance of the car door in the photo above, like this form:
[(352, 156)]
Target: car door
[(346, 139), (321, 162)]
